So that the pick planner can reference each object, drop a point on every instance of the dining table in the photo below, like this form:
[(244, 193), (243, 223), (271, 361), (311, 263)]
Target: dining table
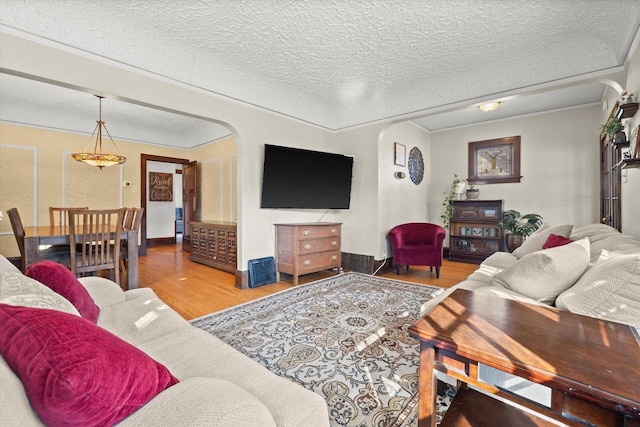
[(35, 236)]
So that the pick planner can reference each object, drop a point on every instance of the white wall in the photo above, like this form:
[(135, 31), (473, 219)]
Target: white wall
[(160, 215), (400, 200), (559, 165)]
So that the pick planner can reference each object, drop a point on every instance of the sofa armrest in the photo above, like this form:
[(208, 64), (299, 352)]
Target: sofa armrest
[(103, 291), (201, 401)]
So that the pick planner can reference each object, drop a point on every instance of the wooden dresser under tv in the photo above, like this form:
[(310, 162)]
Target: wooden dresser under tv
[(214, 244), (305, 248)]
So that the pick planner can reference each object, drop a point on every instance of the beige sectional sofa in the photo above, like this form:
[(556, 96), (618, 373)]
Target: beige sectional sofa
[(597, 274), (218, 386)]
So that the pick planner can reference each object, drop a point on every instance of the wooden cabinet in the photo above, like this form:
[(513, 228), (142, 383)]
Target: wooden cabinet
[(214, 244), (473, 230), (307, 248)]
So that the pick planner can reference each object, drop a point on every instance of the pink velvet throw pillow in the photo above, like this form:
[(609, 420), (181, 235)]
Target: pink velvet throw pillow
[(62, 281), (74, 372), (554, 241)]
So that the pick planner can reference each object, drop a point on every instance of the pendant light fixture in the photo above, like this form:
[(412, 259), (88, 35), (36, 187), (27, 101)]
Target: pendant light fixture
[(97, 157)]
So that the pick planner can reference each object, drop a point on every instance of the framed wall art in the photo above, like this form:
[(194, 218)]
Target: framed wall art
[(494, 161), (399, 154), (160, 187)]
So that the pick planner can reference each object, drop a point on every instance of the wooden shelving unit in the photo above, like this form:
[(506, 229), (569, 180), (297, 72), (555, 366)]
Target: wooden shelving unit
[(473, 230)]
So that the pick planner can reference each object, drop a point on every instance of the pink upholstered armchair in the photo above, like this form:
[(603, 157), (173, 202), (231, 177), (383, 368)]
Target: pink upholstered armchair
[(417, 243)]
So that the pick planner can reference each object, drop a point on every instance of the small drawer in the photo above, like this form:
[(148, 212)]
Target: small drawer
[(318, 261), (318, 245), (317, 231)]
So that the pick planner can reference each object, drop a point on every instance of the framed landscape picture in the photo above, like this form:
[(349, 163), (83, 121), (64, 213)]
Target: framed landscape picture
[(494, 161)]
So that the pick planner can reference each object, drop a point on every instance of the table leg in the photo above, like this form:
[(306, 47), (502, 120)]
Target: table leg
[(31, 251), (132, 259), (427, 387)]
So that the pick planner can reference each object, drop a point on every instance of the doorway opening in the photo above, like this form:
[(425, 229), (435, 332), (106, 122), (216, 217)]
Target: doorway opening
[(145, 199)]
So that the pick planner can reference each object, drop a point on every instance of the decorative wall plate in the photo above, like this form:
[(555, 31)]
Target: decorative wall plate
[(416, 165)]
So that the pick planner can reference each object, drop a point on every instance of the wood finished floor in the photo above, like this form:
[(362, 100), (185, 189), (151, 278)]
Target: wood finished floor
[(194, 290)]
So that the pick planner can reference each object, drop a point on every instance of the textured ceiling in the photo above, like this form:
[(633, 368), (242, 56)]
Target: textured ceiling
[(341, 63)]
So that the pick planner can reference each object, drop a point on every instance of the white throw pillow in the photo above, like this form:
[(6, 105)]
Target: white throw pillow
[(609, 290), (544, 274), (534, 242), (19, 290)]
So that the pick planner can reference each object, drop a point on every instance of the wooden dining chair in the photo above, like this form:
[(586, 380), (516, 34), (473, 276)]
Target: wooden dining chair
[(60, 216), (132, 221), (61, 256), (97, 237)]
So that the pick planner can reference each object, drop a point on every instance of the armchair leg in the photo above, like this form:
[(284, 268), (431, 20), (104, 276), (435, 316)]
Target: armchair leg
[(437, 272), (398, 269)]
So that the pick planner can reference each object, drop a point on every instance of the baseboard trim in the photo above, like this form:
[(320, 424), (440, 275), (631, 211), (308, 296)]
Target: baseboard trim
[(242, 279), (159, 241)]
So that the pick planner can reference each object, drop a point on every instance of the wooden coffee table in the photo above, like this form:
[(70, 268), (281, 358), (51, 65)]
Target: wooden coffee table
[(591, 366)]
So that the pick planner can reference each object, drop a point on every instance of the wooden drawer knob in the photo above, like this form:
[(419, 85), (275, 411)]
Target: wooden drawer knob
[(334, 257), (306, 232), (334, 243), (333, 231), (307, 247), (307, 262)]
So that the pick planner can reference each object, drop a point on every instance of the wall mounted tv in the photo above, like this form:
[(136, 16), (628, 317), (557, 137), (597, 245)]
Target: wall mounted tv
[(305, 179)]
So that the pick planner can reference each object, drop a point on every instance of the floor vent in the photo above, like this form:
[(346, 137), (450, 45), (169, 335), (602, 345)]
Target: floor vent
[(262, 271)]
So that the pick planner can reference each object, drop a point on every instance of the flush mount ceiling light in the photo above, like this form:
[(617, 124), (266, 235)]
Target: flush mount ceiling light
[(97, 157), (489, 106)]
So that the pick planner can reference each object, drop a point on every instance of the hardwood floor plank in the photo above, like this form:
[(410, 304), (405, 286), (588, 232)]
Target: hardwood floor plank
[(194, 289)]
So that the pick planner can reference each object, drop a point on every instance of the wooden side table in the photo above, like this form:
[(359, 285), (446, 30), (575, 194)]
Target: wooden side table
[(592, 366)]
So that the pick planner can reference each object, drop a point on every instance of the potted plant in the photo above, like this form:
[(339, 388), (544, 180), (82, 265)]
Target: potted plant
[(615, 129), (473, 192), (450, 196), (518, 227)]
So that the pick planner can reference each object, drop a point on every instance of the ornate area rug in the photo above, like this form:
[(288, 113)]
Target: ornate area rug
[(345, 338)]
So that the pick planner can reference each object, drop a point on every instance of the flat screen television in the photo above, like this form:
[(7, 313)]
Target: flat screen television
[(305, 179)]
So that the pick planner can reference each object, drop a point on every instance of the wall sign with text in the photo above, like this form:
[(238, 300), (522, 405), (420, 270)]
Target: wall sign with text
[(160, 187)]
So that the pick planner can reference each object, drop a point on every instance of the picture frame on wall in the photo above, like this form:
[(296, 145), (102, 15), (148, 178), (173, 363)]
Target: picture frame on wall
[(494, 161), (399, 154)]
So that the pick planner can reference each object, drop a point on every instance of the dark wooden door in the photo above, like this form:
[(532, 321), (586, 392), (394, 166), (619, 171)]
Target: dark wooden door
[(610, 183), (189, 202)]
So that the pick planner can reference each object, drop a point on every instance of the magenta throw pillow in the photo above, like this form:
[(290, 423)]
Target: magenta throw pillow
[(554, 240), (63, 282), (74, 372)]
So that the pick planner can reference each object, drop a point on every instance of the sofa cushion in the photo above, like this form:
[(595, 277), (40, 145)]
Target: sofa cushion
[(74, 370), (554, 241), (608, 290), (534, 242), (594, 232), (506, 293), (544, 274), (615, 243), (141, 317), (203, 401), (62, 281), (18, 289)]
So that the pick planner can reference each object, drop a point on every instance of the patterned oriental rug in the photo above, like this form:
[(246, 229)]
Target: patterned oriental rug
[(345, 338)]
